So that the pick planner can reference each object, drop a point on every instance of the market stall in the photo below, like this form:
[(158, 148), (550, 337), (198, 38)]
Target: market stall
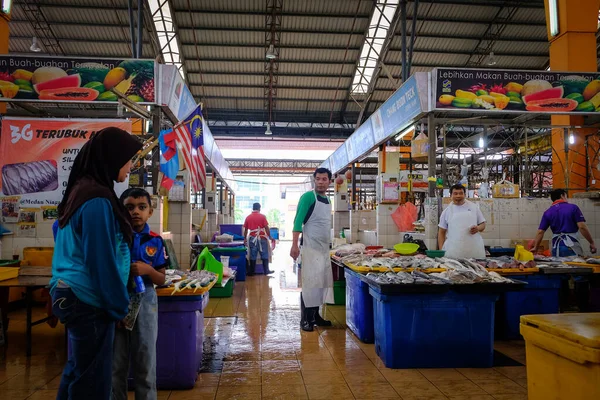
[(382, 284)]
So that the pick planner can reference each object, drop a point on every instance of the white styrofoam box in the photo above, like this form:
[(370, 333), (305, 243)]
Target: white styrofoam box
[(368, 238), (510, 231)]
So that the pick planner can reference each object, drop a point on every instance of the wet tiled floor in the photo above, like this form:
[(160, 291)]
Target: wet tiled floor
[(254, 349)]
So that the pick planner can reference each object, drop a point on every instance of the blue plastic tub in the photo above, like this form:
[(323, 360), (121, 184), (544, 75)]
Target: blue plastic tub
[(359, 308), (274, 233), (540, 296), (439, 330), (237, 259)]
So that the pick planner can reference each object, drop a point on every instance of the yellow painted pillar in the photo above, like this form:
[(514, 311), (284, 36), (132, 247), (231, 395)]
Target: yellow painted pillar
[(4, 36), (573, 49)]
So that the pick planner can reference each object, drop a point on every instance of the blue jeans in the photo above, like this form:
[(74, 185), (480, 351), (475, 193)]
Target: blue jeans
[(87, 374), (254, 249), (139, 346)]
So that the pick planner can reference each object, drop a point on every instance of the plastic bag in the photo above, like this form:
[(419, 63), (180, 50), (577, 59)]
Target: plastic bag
[(404, 216)]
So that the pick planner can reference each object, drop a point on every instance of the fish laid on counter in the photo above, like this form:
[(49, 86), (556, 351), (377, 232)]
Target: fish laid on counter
[(347, 249)]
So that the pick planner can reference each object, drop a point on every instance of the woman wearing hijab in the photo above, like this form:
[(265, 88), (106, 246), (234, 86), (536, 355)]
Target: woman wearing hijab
[(91, 263)]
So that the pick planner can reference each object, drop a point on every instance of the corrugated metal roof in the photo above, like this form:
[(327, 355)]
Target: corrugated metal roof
[(315, 34), (329, 7), (229, 21), (317, 39), (221, 37), (453, 11), (85, 15), (324, 23), (222, 5)]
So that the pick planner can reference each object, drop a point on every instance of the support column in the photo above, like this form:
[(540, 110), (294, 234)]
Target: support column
[(388, 171), (341, 215), (431, 154), (210, 204), (573, 49)]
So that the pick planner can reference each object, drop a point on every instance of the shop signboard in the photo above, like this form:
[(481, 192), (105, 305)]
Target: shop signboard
[(54, 79), (360, 142), (486, 90), (326, 164), (36, 155), (400, 110), (209, 141), (397, 111), (175, 95), (339, 158)]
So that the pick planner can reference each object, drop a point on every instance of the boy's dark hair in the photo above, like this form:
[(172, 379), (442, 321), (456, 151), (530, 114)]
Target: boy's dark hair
[(458, 186), (256, 207), (556, 194), (322, 171), (136, 193)]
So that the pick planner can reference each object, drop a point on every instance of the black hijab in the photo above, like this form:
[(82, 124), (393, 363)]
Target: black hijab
[(94, 171)]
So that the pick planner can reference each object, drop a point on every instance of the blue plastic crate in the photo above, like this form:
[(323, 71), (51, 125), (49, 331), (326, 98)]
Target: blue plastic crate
[(439, 330), (237, 259), (540, 296), (359, 308), (274, 233)]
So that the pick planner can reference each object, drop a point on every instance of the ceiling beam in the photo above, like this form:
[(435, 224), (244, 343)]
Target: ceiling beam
[(301, 47), (258, 115), (536, 4), (486, 22)]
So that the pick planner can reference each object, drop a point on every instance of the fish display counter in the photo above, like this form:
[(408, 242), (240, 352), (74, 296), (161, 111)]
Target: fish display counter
[(381, 283)]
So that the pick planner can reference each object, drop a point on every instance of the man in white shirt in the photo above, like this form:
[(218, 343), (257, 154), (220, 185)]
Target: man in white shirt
[(460, 227)]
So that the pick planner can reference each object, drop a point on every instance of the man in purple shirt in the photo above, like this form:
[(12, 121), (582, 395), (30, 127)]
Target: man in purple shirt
[(565, 220)]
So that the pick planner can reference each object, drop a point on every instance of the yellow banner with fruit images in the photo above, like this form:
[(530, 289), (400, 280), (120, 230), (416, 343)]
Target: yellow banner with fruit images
[(516, 91), (70, 79)]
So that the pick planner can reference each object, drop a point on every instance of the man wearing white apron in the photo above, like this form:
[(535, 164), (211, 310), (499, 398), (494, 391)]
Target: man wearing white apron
[(565, 220), (259, 240), (313, 220), (460, 227)]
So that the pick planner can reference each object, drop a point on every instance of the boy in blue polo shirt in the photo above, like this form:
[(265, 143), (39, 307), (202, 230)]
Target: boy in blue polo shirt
[(138, 342)]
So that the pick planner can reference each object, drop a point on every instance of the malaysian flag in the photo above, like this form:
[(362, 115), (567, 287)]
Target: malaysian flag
[(190, 143)]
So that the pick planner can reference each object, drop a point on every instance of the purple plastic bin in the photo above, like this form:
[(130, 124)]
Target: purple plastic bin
[(237, 229), (179, 344)]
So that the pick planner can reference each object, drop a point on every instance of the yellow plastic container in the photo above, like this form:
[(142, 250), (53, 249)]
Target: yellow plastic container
[(522, 255), (7, 273), (563, 356), (37, 256)]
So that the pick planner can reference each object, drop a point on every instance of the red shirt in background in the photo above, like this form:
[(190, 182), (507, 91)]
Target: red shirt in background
[(254, 221)]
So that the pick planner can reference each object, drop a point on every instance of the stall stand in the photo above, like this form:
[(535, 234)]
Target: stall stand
[(359, 308), (540, 296)]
